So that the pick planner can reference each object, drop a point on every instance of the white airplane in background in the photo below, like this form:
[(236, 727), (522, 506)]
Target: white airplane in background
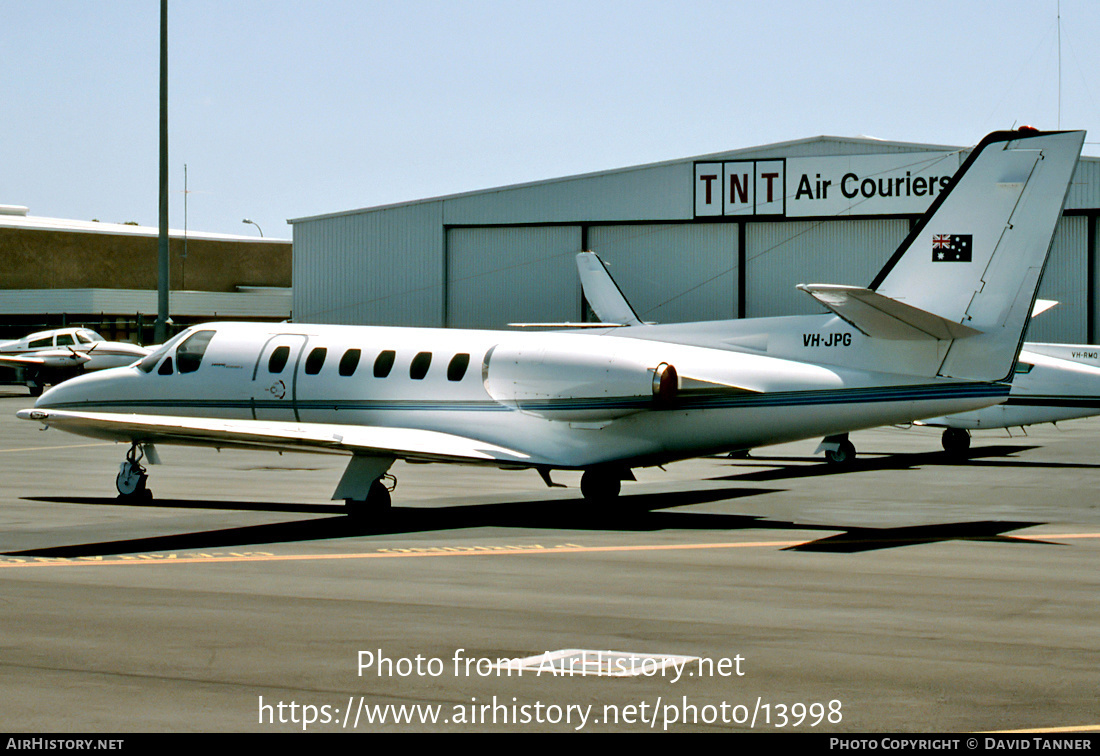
[(49, 357), (1052, 382), (938, 332)]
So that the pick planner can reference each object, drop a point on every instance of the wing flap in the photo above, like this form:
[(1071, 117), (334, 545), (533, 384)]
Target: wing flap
[(881, 317), (401, 443)]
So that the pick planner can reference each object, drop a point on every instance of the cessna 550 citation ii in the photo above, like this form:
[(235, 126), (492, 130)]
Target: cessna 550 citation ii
[(936, 333)]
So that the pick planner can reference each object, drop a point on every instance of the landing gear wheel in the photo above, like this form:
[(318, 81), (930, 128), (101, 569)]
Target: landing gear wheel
[(35, 388), (845, 454), (956, 441), (377, 503), (131, 478), (600, 485)]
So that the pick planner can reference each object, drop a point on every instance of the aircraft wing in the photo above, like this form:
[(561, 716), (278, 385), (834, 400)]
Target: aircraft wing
[(881, 317), (402, 443)]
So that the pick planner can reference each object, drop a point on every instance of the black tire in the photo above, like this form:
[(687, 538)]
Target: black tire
[(377, 503), (600, 485), (845, 454), (956, 441)]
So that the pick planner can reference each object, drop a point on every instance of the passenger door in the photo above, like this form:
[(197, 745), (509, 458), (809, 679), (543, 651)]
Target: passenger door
[(274, 390)]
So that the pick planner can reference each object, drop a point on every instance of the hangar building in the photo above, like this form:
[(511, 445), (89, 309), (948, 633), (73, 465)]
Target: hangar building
[(718, 236), (59, 272)]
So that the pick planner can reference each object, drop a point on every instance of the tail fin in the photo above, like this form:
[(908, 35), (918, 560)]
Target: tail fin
[(977, 256), (604, 295)]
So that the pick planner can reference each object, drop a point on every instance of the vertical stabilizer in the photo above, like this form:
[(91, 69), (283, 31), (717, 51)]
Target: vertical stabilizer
[(977, 255), (604, 295)]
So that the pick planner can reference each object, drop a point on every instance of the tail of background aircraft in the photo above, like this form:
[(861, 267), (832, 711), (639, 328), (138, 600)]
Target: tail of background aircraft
[(976, 257)]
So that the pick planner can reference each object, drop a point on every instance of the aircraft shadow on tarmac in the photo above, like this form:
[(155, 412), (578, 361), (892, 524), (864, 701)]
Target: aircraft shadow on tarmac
[(644, 512), (786, 468)]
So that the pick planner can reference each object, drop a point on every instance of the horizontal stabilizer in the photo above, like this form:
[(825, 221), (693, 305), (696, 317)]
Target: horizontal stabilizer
[(401, 443), (1042, 305), (564, 326), (881, 317)]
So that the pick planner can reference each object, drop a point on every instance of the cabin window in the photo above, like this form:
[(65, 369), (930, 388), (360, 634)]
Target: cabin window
[(46, 342), (349, 361), (190, 352), (457, 367), (166, 367), (65, 339), (419, 367), (1023, 368), (278, 359), (315, 360), (88, 337), (383, 364)]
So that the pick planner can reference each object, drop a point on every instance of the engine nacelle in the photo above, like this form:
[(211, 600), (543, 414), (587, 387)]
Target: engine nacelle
[(568, 385)]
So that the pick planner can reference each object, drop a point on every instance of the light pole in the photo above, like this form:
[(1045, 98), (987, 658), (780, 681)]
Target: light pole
[(257, 225)]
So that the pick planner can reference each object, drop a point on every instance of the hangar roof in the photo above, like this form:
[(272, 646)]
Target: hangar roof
[(15, 216), (644, 191)]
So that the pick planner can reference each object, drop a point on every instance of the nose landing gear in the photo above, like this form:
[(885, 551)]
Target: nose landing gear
[(131, 478)]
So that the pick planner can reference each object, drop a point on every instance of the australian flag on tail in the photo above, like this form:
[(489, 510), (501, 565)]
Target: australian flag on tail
[(952, 247)]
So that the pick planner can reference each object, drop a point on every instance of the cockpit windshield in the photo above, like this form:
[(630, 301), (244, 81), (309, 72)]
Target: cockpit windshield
[(88, 337), (150, 362)]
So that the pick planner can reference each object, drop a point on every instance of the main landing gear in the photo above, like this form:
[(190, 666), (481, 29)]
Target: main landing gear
[(838, 450), (956, 442), (366, 486), (131, 478), (377, 502), (604, 483)]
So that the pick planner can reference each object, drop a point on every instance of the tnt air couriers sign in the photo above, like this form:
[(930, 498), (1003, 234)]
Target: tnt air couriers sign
[(838, 185)]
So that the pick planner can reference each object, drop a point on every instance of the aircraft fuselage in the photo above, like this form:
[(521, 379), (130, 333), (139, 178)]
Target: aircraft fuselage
[(567, 400)]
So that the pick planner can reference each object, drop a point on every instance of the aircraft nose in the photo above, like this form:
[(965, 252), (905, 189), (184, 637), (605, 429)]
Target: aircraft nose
[(81, 392)]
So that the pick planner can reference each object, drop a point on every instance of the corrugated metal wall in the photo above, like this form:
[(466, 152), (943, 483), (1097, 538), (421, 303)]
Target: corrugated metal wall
[(646, 193), (781, 255), (673, 273), (380, 267), (1065, 280), (497, 276)]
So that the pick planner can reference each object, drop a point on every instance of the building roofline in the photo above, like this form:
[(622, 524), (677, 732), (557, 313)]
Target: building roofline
[(121, 229), (907, 146)]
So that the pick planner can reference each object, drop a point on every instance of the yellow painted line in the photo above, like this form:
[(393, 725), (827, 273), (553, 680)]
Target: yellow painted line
[(1048, 730), (404, 552), (1061, 536), (54, 448), (391, 553)]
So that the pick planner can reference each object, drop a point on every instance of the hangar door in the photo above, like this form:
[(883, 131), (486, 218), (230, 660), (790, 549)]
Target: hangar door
[(497, 276), (673, 273), (1065, 280), (782, 255)]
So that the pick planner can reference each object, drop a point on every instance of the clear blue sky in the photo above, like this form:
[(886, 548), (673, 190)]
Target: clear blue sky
[(287, 109)]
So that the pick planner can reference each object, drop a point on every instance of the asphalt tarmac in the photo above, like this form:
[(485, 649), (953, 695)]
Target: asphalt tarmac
[(910, 593)]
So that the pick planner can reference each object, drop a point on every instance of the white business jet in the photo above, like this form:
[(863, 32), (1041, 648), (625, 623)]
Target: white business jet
[(937, 332), (49, 357), (1052, 382)]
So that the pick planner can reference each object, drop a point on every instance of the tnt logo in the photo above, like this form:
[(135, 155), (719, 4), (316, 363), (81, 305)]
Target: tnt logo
[(743, 187)]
